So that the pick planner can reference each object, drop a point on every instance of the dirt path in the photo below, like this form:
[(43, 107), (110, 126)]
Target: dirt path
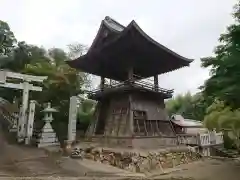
[(19, 161), (22, 161), (208, 169)]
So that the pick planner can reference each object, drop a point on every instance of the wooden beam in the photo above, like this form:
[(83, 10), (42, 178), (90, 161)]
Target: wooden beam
[(20, 86), (102, 83), (158, 127), (156, 83), (131, 121), (130, 74), (152, 132), (139, 132), (145, 127)]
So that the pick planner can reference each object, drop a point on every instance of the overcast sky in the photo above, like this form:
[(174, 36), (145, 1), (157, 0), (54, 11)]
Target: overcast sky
[(189, 27)]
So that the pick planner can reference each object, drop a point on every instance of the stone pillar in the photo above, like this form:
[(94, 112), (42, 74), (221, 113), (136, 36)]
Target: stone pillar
[(48, 136), (30, 121), (23, 113), (20, 124), (72, 119), (156, 83)]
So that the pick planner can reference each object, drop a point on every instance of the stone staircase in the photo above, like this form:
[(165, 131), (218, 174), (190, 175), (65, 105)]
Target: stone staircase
[(8, 119), (8, 112), (221, 151)]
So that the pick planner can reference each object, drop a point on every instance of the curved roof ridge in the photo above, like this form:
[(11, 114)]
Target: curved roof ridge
[(134, 24), (111, 23), (96, 37)]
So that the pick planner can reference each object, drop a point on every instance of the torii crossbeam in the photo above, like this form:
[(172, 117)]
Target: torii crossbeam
[(26, 86)]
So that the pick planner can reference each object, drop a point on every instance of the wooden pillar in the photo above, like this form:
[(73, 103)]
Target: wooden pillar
[(102, 83), (131, 123), (156, 83), (110, 82), (130, 74)]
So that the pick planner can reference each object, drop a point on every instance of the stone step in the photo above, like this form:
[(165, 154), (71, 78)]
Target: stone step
[(229, 153)]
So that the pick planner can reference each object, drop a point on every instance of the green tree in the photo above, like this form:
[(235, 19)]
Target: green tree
[(62, 83), (224, 82), (223, 118), (23, 55), (9, 47), (189, 106), (86, 112), (7, 39)]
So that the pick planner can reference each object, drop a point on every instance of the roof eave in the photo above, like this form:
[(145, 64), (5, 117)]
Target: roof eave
[(133, 24)]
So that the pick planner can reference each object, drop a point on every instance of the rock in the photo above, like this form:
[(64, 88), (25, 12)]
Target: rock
[(77, 153), (145, 165)]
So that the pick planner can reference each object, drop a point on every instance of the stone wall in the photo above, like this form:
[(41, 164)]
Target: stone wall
[(136, 161)]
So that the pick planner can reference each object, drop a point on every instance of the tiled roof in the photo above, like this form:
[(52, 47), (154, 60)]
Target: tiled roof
[(179, 120)]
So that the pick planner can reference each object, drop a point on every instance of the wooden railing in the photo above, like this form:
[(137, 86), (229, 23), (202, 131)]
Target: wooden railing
[(187, 139), (139, 83), (219, 138), (203, 139)]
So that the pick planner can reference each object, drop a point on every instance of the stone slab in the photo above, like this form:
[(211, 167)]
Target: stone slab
[(48, 144)]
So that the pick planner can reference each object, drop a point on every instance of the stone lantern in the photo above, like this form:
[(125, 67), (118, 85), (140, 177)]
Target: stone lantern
[(48, 136)]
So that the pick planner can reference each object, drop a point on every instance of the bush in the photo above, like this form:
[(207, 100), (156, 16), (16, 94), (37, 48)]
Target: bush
[(228, 142)]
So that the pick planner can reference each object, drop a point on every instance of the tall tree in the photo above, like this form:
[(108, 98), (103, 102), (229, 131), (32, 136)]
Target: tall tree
[(7, 38), (62, 83), (224, 82), (223, 118), (85, 113), (9, 46), (189, 106)]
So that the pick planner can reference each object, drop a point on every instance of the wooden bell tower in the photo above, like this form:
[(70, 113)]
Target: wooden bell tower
[(130, 109)]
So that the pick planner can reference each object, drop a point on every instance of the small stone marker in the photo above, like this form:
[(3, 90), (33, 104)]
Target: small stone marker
[(72, 122)]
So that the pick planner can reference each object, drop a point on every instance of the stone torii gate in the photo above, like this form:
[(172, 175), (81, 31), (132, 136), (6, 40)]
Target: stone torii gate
[(24, 126)]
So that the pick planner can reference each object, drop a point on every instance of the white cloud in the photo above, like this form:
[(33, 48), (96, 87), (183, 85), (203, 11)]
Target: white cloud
[(189, 27)]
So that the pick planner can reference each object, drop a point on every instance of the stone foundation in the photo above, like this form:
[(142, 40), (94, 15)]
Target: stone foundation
[(139, 161)]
